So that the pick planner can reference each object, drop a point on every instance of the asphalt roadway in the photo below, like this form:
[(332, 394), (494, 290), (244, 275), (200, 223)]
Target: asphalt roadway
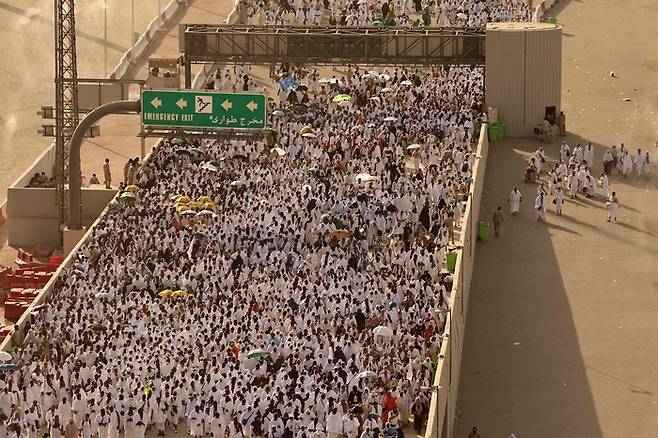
[(26, 76), (561, 330)]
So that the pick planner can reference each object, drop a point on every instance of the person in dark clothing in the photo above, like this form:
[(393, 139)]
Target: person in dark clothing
[(385, 9), (360, 320), (424, 216)]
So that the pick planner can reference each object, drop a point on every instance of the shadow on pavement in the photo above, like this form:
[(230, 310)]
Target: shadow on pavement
[(537, 387)]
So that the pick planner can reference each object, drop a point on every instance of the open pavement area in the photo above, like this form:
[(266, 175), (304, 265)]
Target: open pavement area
[(561, 326)]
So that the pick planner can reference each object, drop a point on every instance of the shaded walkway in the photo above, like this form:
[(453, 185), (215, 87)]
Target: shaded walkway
[(579, 295)]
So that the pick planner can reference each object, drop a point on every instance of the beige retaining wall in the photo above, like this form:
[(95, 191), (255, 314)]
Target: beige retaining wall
[(442, 409)]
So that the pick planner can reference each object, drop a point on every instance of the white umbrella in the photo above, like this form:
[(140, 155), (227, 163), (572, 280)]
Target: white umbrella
[(4, 356), (210, 167), (384, 77), (387, 90), (375, 98), (413, 146), (345, 103), (205, 213), (328, 81), (237, 183), (407, 82), (390, 119), (102, 295), (382, 330), (365, 177), (280, 152), (277, 112), (309, 135), (366, 375)]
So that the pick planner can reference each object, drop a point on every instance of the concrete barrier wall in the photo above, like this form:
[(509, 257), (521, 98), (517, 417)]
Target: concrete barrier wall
[(33, 213), (43, 163), (15, 338), (444, 400), (133, 55)]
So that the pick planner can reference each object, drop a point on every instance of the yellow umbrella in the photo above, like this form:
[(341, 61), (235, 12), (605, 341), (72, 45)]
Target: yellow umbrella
[(184, 199), (180, 294), (305, 129), (209, 206), (166, 293), (181, 208), (132, 188), (176, 197), (194, 205), (204, 199)]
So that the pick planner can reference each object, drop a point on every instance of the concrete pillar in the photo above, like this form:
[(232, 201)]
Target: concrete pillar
[(71, 239), (523, 73)]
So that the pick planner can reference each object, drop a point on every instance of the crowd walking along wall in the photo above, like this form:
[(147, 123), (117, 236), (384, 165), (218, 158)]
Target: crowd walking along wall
[(446, 380)]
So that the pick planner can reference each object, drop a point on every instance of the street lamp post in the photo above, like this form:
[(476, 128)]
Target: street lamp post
[(132, 22), (105, 36)]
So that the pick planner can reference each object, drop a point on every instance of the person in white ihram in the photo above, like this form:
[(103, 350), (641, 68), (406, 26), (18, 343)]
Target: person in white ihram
[(605, 185), (559, 200), (540, 207), (613, 207), (515, 200)]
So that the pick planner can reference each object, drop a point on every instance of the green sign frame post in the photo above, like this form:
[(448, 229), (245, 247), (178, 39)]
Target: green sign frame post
[(201, 109)]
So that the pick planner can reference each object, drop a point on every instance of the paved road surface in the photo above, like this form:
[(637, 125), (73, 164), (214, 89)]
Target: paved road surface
[(578, 294), (26, 76)]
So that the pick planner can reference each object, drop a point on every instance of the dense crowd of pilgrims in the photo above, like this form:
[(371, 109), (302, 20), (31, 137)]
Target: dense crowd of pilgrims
[(441, 13), (309, 299), (286, 287)]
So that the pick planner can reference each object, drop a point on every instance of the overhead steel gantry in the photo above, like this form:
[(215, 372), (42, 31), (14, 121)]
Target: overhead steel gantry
[(66, 98), (203, 44)]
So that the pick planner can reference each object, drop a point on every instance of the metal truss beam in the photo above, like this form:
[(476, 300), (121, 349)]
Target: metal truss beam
[(226, 134), (327, 46)]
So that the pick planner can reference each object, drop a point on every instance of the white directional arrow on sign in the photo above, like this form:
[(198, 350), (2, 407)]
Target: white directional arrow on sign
[(227, 105), (182, 103), (253, 106), (156, 102)]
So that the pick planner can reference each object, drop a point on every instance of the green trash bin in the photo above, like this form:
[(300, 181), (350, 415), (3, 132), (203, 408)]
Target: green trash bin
[(493, 134), (500, 130), (451, 261), (483, 231)]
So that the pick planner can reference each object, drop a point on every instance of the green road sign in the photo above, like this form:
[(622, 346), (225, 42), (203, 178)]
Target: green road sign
[(199, 109)]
